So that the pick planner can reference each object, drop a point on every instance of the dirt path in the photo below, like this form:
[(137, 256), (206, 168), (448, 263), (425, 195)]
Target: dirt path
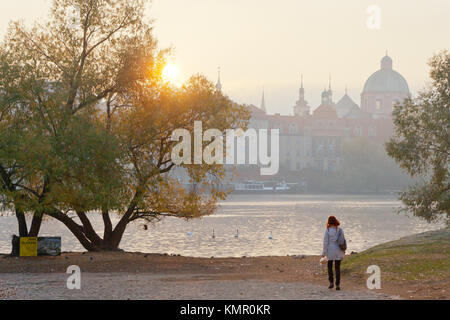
[(122, 275), (123, 286), (153, 276)]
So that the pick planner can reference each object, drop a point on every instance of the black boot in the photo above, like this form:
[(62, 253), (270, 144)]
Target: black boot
[(331, 286)]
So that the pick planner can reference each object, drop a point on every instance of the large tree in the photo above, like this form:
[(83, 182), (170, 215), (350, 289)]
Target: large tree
[(422, 144), (86, 123)]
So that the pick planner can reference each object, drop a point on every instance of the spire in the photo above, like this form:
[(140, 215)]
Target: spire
[(330, 92), (325, 96), (219, 83), (263, 102), (346, 90), (301, 107), (301, 91)]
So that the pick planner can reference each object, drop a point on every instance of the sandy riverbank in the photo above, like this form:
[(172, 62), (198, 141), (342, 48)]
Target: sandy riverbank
[(149, 286), (133, 275), (123, 275), (147, 276)]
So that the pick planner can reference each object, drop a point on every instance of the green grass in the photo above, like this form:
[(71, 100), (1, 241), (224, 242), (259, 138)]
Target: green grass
[(425, 256)]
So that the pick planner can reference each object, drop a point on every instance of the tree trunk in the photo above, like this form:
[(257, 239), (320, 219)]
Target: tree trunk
[(108, 224), (88, 230), (23, 229), (75, 228), (35, 225), (119, 230), (86, 234), (15, 243)]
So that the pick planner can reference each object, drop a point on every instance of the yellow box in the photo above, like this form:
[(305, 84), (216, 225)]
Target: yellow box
[(28, 246)]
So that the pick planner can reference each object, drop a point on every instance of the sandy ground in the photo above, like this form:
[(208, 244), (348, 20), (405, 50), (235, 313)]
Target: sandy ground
[(124, 286), (146, 276), (122, 275)]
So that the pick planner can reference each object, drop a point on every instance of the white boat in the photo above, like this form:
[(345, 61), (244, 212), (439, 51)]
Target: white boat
[(261, 187)]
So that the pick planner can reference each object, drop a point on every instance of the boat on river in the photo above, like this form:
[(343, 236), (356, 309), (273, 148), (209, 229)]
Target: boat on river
[(266, 187)]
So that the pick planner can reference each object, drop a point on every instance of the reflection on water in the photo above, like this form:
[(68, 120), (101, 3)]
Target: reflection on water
[(297, 223)]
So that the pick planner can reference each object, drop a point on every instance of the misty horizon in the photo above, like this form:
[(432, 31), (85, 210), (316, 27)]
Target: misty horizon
[(260, 44)]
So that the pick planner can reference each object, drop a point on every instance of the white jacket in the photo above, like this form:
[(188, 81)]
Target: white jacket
[(330, 245)]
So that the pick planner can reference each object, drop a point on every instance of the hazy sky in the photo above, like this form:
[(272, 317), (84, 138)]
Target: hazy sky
[(267, 43)]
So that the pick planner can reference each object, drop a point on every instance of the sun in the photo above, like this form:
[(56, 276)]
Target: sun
[(170, 73)]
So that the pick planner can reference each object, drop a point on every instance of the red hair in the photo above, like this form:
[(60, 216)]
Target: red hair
[(333, 222)]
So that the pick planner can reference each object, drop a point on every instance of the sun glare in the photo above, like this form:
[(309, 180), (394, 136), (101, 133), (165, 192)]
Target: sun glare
[(170, 73)]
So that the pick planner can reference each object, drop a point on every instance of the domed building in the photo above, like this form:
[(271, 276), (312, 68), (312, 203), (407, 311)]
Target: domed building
[(315, 139), (383, 90)]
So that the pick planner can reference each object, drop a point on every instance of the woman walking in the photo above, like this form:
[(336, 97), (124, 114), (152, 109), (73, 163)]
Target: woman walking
[(332, 243)]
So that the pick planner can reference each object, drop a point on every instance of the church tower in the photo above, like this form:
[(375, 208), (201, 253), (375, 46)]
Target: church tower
[(330, 93), (301, 107), (263, 102), (219, 83), (325, 97)]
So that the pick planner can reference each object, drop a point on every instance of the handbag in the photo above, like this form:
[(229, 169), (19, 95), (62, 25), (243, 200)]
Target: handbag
[(341, 241)]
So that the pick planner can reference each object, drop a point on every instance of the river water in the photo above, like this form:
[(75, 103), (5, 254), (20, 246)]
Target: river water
[(296, 223)]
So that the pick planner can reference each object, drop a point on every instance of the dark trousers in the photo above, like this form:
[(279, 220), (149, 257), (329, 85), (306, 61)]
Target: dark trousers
[(337, 264)]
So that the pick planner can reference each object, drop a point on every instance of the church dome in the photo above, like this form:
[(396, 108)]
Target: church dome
[(386, 80)]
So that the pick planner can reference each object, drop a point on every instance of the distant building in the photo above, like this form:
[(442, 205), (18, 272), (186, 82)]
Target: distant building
[(315, 140), (345, 105), (383, 90), (301, 107)]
